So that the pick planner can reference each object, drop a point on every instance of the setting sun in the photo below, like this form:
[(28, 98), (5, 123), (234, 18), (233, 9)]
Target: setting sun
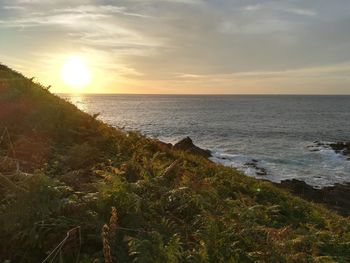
[(75, 73)]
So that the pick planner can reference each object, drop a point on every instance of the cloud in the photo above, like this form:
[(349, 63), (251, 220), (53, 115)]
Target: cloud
[(209, 41), (302, 12), (276, 7), (13, 7)]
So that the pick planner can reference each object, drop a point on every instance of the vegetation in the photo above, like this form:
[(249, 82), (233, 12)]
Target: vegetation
[(74, 189)]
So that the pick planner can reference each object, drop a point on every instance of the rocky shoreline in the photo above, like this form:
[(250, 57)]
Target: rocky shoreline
[(342, 148), (336, 198)]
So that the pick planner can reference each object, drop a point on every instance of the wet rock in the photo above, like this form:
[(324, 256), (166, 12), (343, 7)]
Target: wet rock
[(335, 197), (187, 145), (341, 147), (314, 150), (259, 170), (318, 143)]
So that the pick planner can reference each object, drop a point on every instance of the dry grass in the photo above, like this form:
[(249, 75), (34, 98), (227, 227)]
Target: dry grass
[(105, 242)]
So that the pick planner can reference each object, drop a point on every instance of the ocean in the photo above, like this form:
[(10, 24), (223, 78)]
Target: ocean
[(264, 136)]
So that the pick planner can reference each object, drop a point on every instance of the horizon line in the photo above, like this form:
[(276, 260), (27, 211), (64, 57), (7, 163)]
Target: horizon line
[(207, 94)]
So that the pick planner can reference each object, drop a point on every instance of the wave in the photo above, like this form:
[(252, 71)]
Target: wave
[(249, 165), (315, 163)]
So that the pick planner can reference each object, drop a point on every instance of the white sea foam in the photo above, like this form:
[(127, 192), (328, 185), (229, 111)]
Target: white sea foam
[(318, 165), (246, 164)]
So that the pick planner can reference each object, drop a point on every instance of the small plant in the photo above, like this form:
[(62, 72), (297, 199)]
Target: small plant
[(108, 235), (113, 224), (105, 242)]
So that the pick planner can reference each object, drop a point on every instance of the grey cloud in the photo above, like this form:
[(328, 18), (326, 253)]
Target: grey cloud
[(303, 12), (159, 39)]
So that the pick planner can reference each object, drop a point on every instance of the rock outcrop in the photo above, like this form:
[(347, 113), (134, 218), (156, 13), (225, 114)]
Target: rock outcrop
[(335, 197), (187, 145), (342, 148)]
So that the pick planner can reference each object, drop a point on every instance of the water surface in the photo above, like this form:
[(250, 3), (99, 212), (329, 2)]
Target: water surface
[(274, 130)]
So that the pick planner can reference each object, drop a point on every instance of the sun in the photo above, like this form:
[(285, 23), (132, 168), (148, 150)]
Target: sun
[(75, 73)]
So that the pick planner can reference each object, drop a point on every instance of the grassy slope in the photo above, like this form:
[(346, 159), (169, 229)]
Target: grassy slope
[(73, 169)]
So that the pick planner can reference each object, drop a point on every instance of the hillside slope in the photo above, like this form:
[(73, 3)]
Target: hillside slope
[(62, 171)]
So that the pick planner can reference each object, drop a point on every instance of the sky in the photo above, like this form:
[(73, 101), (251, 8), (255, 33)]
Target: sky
[(182, 46)]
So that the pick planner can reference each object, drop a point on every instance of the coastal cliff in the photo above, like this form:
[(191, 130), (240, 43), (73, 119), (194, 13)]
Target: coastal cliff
[(75, 188)]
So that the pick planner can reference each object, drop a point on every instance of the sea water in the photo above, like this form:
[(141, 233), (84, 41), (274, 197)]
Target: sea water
[(273, 132)]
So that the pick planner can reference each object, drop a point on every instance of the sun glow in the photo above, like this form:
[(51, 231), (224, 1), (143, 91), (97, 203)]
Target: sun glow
[(75, 73)]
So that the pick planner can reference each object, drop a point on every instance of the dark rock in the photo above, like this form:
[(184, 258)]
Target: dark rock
[(335, 197), (301, 188), (318, 143), (251, 164), (187, 145), (314, 150), (341, 148), (337, 147)]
